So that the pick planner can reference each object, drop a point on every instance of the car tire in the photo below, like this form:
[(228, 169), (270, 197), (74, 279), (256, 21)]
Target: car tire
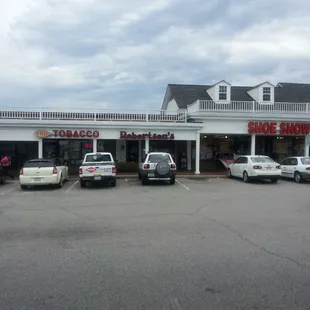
[(229, 173), (23, 187), (297, 177), (2, 180), (139, 175), (246, 177), (113, 183), (172, 181), (82, 184), (144, 181), (274, 180), (60, 183)]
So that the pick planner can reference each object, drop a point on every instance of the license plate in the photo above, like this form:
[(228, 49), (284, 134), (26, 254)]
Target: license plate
[(37, 179), (151, 175), (97, 178), (97, 175), (268, 168), (107, 169)]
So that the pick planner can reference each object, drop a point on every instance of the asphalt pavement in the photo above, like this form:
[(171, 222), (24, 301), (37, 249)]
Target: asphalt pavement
[(198, 244)]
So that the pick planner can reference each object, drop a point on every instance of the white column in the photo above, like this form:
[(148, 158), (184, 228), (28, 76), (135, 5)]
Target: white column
[(189, 155), (197, 170), (40, 148), (94, 145), (147, 145), (253, 142), (307, 138), (140, 151)]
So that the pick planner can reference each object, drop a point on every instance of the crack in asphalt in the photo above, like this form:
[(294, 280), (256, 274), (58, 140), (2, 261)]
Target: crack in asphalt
[(242, 237)]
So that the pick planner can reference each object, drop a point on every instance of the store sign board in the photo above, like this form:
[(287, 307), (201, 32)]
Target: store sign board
[(43, 133), (285, 128), (142, 136)]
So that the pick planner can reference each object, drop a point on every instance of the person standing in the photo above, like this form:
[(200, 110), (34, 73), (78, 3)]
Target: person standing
[(5, 163)]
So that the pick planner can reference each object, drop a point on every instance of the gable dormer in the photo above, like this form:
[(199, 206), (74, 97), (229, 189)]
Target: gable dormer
[(220, 92), (263, 93)]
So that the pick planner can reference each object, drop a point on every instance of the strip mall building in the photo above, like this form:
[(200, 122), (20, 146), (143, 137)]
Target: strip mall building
[(209, 125)]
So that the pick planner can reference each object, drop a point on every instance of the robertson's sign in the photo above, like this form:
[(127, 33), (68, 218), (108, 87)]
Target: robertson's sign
[(285, 128), (67, 133), (142, 136)]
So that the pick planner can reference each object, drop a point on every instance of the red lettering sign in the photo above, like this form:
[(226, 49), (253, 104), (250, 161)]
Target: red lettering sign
[(76, 133), (152, 136), (270, 128)]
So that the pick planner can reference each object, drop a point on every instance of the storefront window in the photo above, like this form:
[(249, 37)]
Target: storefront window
[(107, 146)]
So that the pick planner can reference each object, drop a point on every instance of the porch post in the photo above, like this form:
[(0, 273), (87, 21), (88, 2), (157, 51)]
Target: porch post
[(307, 140), (189, 155), (94, 145), (253, 141), (197, 170), (140, 151), (147, 145), (40, 148)]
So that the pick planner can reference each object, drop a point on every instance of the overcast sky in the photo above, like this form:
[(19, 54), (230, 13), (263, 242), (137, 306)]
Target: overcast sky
[(123, 53)]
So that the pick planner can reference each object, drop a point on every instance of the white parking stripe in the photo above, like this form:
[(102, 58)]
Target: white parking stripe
[(6, 191), (68, 190), (183, 185)]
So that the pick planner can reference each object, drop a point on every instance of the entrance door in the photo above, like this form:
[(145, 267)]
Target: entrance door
[(132, 151)]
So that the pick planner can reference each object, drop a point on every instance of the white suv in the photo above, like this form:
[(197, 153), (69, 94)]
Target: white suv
[(157, 166)]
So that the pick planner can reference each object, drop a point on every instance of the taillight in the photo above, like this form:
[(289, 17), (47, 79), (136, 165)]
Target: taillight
[(55, 171), (113, 169), (21, 172), (257, 167), (173, 166), (308, 168), (80, 171), (146, 166), (279, 167)]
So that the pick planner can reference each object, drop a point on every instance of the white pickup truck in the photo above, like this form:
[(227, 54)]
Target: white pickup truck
[(98, 167)]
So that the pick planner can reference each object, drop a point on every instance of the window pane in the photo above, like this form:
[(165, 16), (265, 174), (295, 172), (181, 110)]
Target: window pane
[(222, 96), (156, 158), (266, 97), (305, 161), (262, 160), (98, 158), (223, 89), (38, 163), (266, 90)]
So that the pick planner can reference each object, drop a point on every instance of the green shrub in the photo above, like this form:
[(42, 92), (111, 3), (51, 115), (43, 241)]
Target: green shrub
[(127, 166)]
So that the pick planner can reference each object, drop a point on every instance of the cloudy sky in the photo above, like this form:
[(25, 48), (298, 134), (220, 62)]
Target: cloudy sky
[(121, 54)]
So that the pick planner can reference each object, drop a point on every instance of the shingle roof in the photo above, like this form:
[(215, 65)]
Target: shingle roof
[(185, 95)]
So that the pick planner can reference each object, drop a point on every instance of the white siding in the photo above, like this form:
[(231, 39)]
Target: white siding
[(214, 91), (257, 93), (172, 106)]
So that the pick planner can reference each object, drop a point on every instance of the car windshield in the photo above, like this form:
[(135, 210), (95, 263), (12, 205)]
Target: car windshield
[(262, 160), (98, 158), (38, 163), (156, 158), (305, 160)]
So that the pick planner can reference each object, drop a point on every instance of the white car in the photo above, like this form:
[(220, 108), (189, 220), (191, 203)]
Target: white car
[(37, 172), (297, 168), (255, 167)]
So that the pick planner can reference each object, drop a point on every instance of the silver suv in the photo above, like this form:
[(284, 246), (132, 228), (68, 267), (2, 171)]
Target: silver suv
[(157, 166)]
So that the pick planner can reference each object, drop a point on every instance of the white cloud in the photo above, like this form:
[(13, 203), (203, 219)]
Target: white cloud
[(124, 53)]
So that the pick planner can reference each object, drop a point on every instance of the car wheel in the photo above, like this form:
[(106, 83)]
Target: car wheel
[(297, 177), (172, 181), (2, 180), (229, 173), (113, 183), (139, 175), (23, 187), (82, 183), (144, 181), (60, 183), (246, 177), (274, 180)]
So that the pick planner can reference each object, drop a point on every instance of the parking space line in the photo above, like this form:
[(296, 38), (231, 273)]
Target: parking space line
[(68, 190), (8, 190), (183, 185)]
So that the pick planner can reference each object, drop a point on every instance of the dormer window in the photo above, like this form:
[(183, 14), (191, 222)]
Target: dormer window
[(222, 92), (266, 94)]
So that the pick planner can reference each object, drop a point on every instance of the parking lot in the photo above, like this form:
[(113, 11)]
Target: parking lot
[(199, 244)]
